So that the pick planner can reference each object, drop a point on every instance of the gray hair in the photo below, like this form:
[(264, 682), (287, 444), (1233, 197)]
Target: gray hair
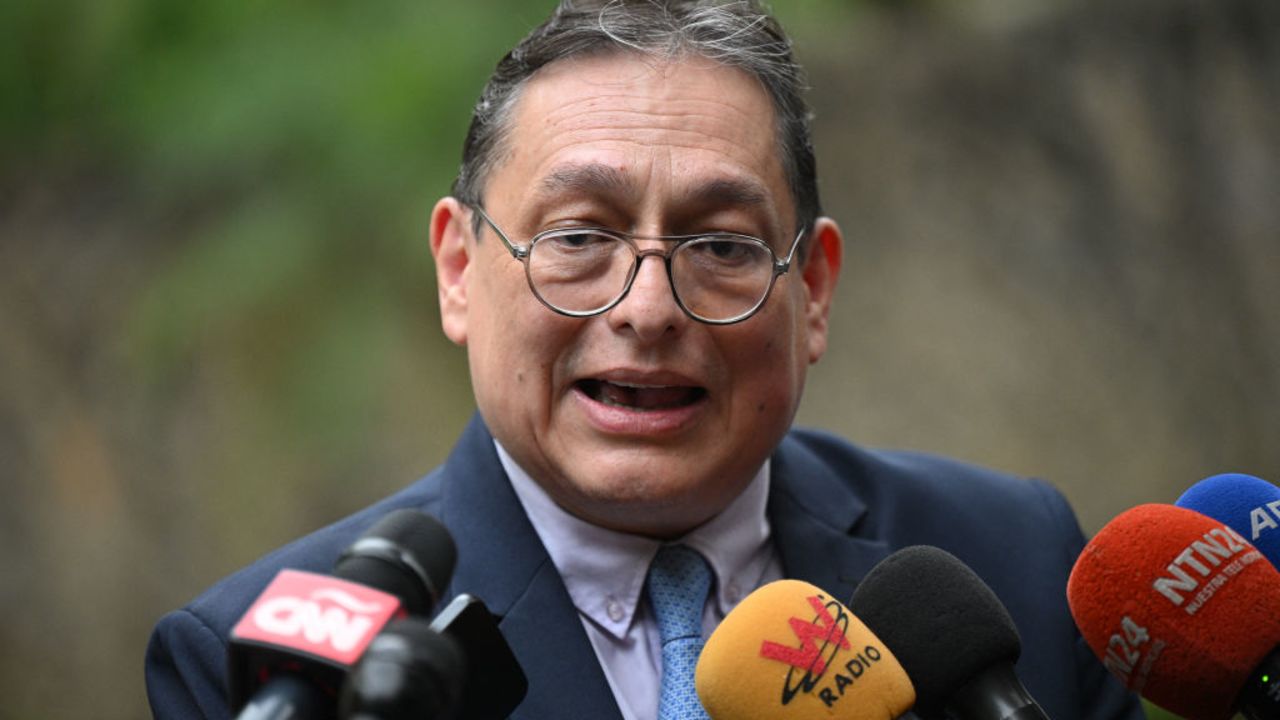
[(737, 33)]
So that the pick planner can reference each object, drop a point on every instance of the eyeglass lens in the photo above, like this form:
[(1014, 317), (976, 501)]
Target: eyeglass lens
[(716, 277)]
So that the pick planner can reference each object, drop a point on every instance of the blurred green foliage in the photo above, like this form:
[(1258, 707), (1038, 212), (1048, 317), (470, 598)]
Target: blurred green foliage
[(281, 158), (216, 295)]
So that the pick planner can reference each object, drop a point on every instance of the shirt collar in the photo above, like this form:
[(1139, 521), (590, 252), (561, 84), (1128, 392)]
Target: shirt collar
[(604, 570)]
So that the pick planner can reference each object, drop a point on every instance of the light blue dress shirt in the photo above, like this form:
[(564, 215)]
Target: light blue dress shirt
[(604, 571)]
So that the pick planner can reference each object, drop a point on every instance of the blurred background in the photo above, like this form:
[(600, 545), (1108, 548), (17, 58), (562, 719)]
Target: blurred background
[(218, 327)]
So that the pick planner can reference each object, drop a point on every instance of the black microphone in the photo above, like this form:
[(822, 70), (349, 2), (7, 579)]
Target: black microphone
[(496, 683), (950, 632), (416, 675), (290, 651), (409, 672)]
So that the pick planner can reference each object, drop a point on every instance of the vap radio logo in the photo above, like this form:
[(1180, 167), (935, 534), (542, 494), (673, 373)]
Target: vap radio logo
[(317, 614), (821, 639)]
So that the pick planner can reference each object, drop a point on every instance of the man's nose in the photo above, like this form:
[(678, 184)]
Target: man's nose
[(649, 309)]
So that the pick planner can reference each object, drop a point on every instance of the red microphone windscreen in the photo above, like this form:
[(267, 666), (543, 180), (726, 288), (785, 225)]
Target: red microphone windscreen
[(1177, 605)]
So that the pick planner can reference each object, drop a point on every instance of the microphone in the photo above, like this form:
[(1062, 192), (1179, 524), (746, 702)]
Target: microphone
[(496, 683), (791, 651), (951, 633), (1250, 505), (408, 671), (1182, 609), (457, 663), (290, 651)]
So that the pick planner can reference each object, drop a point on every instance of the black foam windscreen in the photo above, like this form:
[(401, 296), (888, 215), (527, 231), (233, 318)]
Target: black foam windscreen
[(406, 553), (942, 622)]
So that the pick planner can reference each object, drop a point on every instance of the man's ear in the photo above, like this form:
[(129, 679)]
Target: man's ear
[(821, 272), (449, 236)]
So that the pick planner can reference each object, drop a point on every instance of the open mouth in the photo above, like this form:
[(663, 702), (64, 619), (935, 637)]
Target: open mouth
[(641, 397)]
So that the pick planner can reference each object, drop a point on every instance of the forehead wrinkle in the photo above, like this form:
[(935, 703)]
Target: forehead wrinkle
[(710, 164), (599, 178), (583, 178), (701, 119)]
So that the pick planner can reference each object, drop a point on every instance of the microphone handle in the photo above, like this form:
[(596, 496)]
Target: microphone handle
[(1260, 698), (995, 694), (286, 697), (1030, 712)]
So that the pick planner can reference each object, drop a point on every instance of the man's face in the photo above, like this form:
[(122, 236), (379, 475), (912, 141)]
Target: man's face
[(640, 419)]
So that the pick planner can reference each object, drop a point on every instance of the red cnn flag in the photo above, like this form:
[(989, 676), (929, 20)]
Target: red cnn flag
[(319, 615)]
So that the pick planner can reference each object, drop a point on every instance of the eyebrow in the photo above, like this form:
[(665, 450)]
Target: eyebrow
[(598, 178), (588, 178), (730, 192)]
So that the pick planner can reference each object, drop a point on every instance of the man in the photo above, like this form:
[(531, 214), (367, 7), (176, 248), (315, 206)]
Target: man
[(635, 258)]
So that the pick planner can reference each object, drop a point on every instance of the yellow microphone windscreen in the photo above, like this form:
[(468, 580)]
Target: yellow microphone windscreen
[(791, 651)]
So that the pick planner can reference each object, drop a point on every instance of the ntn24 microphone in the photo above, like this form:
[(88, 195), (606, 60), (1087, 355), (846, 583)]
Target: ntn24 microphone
[(1183, 610)]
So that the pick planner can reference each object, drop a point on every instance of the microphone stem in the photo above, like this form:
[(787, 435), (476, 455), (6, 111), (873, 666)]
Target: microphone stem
[(995, 694), (286, 697), (1260, 698)]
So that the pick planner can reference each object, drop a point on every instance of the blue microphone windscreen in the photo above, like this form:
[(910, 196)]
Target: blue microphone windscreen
[(1249, 505)]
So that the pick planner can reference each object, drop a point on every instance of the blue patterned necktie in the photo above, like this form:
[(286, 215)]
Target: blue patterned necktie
[(679, 580)]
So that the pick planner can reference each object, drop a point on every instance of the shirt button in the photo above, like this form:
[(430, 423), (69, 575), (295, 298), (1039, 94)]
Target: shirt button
[(614, 608)]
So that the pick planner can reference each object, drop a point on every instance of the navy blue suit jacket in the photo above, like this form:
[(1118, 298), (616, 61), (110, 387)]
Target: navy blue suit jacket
[(836, 510)]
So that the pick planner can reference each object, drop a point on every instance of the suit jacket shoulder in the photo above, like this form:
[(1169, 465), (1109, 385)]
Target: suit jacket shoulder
[(838, 509), (186, 656), (500, 560)]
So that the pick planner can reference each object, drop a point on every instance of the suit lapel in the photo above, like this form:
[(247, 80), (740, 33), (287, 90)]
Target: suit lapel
[(502, 561), (814, 515)]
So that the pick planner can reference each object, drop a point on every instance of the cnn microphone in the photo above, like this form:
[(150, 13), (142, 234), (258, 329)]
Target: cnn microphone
[(290, 651), (409, 670), (1184, 611), (1250, 505), (791, 651), (496, 683), (951, 633)]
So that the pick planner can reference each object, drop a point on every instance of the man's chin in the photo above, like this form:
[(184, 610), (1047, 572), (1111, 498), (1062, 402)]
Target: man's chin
[(642, 506)]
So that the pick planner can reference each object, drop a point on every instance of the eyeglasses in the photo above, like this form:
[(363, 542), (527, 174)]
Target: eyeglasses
[(716, 278)]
